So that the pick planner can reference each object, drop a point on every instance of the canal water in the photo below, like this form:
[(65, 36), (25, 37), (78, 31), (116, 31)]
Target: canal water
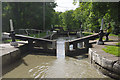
[(60, 66)]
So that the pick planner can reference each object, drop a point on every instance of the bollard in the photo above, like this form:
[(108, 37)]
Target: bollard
[(100, 41), (12, 34), (13, 43), (101, 34)]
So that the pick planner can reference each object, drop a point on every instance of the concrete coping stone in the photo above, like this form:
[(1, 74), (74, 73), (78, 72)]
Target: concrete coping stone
[(106, 60), (7, 48)]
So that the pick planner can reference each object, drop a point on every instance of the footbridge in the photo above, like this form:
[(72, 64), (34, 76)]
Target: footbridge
[(83, 41), (45, 43)]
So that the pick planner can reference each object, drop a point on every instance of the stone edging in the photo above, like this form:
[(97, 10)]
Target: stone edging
[(14, 55), (109, 66)]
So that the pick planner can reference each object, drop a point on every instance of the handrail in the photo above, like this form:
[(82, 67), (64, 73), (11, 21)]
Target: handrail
[(84, 38)]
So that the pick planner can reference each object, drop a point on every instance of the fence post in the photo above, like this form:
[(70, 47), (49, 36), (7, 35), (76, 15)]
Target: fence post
[(86, 44), (44, 45), (75, 45), (30, 44), (81, 44), (66, 47), (54, 44)]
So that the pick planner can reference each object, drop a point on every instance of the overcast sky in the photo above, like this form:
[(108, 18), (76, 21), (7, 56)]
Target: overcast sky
[(64, 5)]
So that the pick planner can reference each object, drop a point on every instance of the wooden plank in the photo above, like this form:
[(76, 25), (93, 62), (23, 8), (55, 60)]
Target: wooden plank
[(22, 37), (84, 38), (25, 38)]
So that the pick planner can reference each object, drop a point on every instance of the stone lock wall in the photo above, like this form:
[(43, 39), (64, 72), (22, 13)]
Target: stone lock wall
[(13, 55), (10, 57), (107, 64)]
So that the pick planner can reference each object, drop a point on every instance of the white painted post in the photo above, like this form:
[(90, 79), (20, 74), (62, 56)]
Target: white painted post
[(54, 44), (102, 24), (13, 43), (100, 41), (11, 25)]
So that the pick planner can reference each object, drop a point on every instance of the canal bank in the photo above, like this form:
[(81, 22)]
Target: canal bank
[(107, 63)]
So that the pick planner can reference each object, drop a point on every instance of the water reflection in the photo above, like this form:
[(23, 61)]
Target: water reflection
[(38, 71)]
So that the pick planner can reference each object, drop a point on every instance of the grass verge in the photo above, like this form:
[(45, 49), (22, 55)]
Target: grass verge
[(113, 49), (87, 33), (114, 35), (103, 39), (9, 40)]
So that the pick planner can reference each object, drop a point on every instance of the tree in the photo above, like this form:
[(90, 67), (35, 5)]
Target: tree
[(91, 14), (27, 14)]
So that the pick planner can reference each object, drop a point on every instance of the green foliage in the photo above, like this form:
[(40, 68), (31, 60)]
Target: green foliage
[(87, 33), (43, 34), (27, 15), (67, 20), (38, 35), (9, 40), (113, 35), (87, 16), (118, 44), (91, 14)]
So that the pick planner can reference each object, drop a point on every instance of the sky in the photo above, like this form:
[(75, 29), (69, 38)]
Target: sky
[(64, 5)]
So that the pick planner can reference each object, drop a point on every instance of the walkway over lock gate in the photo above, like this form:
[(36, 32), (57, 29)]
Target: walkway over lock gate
[(45, 42), (84, 41)]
